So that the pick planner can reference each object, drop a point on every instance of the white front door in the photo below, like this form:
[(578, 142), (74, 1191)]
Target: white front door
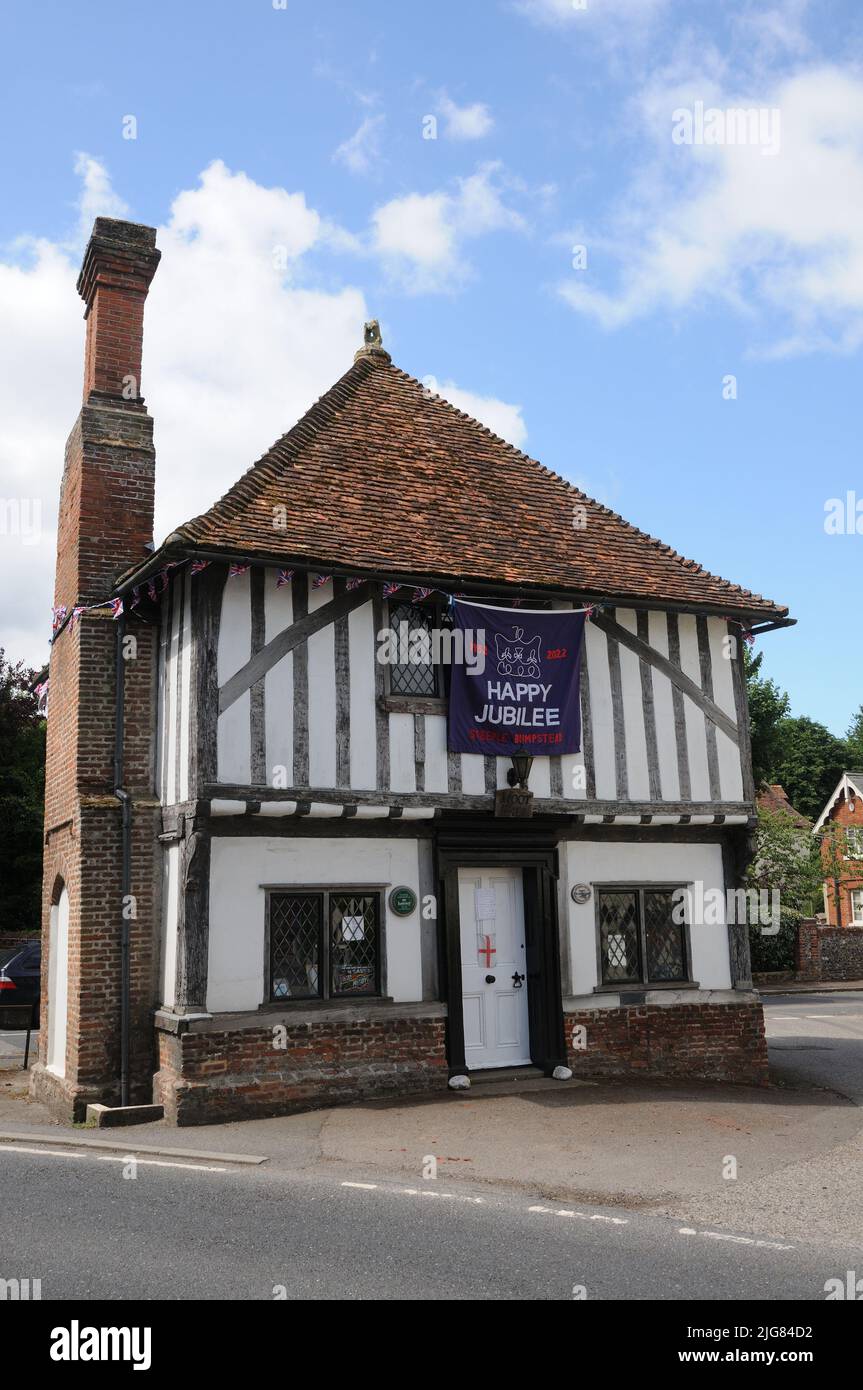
[(494, 977)]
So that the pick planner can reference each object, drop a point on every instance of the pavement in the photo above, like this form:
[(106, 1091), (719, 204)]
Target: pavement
[(781, 1164)]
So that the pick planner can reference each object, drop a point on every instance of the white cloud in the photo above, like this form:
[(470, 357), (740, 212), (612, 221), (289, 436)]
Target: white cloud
[(500, 417), (236, 347), (560, 12), (361, 151), (97, 198), (420, 236), (465, 122), (239, 340), (779, 233)]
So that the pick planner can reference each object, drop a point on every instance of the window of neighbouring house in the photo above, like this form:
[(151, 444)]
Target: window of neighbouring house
[(857, 907), (639, 940), (415, 672), (323, 943), (854, 842)]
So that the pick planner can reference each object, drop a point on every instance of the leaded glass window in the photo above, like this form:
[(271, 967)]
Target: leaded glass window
[(414, 672), (639, 940), (323, 944)]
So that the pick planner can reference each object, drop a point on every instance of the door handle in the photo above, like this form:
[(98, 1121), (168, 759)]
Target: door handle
[(517, 980), (490, 979)]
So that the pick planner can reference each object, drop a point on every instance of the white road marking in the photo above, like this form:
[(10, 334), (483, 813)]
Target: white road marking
[(736, 1240), (580, 1215), (368, 1186), (110, 1158)]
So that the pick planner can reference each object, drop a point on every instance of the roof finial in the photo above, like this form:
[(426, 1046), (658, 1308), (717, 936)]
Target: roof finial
[(372, 343)]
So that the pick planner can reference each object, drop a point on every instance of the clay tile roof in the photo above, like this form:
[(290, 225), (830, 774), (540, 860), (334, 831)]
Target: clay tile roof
[(381, 475), (773, 797)]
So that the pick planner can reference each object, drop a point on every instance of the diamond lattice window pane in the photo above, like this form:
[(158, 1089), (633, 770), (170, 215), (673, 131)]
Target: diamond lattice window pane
[(665, 955), (414, 673), (354, 942), (618, 927), (295, 945)]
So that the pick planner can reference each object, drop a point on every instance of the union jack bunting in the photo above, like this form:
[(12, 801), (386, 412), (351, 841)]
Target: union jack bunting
[(57, 616), (236, 570), (198, 565), (152, 593), (116, 607), (391, 588), (41, 693), (354, 584), (284, 577), (420, 594), (320, 580), (749, 638), (76, 613)]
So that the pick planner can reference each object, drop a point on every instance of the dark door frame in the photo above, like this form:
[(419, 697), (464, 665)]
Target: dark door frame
[(537, 860)]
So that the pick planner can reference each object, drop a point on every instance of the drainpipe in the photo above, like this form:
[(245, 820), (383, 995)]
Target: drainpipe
[(126, 804)]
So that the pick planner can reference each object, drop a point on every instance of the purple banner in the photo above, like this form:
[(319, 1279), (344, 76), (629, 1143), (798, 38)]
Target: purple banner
[(517, 690)]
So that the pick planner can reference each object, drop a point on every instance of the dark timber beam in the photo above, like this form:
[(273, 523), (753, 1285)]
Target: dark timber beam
[(674, 674), (286, 641)]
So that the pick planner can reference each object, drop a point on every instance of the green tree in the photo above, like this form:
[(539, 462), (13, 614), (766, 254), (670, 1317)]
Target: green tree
[(787, 861), (854, 741), (22, 793), (768, 708), (810, 763)]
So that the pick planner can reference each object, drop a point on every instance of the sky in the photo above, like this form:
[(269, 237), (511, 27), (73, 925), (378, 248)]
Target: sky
[(544, 202)]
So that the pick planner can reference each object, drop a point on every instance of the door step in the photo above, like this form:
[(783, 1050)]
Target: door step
[(514, 1082), (495, 1076)]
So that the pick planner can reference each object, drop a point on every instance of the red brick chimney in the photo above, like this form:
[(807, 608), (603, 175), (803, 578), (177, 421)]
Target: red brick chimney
[(119, 263), (105, 521)]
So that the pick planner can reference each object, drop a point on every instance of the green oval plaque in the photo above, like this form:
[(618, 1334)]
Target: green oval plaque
[(403, 901)]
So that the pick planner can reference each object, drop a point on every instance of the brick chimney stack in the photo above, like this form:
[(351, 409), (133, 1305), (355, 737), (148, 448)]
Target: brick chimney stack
[(105, 521), (119, 263)]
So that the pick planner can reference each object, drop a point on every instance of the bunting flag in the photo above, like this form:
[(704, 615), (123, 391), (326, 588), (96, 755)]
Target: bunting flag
[(419, 594), (354, 584), (391, 588), (236, 570), (152, 592), (76, 613), (198, 565), (116, 607), (41, 693), (284, 577), (57, 616), (320, 580)]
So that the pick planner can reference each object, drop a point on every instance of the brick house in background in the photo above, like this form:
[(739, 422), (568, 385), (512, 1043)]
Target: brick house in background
[(842, 851), (268, 879)]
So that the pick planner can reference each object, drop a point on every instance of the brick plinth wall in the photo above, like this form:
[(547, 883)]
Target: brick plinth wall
[(807, 951), (207, 1077), (705, 1042)]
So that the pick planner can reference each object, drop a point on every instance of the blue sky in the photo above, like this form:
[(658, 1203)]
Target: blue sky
[(301, 129)]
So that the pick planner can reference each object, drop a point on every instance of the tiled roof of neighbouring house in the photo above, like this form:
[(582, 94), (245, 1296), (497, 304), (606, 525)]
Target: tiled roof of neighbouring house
[(773, 797), (382, 475)]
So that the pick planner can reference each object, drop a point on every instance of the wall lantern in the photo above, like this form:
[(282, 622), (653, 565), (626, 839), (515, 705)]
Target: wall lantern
[(520, 770)]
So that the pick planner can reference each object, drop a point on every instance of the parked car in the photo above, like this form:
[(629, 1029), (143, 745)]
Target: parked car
[(20, 974)]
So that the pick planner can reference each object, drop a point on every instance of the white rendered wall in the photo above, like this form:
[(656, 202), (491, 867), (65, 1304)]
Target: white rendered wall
[(240, 869), (168, 954), (592, 862), (58, 985)]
